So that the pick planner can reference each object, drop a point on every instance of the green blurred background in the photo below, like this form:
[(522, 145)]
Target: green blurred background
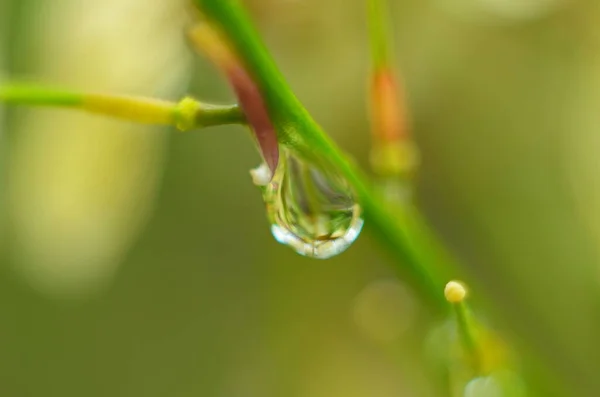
[(137, 261)]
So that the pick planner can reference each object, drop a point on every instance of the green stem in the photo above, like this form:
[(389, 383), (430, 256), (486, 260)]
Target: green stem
[(379, 33), (21, 94), (213, 115), (468, 335), (420, 257), (186, 114)]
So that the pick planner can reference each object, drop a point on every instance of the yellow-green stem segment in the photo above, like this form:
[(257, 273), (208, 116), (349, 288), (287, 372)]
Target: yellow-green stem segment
[(379, 33), (468, 336), (456, 293), (186, 114)]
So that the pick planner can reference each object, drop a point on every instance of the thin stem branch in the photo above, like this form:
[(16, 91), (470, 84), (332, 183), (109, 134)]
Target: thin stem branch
[(186, 114), (379, 33), (394, 156), (24, 94), (468, 337)]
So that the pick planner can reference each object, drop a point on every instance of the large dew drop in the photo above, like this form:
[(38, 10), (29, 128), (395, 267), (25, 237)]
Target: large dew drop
[(312, 210)]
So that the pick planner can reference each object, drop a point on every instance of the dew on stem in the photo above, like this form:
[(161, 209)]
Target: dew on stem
[(311, 208)]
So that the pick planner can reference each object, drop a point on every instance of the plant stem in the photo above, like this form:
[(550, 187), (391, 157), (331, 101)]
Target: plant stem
[(213, 115), (379, 33), (186, 114), (23, 94), (467, 333), (394, 156), (421, 258)]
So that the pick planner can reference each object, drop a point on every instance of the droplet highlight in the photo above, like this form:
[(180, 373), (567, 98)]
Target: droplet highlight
[(311, 209)]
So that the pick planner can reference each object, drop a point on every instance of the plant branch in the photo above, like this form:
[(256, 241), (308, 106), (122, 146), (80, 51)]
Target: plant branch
[(394, 156), (421, 259), (186, 114), (379, 33), (456, 293)]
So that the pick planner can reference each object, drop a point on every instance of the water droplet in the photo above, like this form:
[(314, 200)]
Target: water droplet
[(311, 209)]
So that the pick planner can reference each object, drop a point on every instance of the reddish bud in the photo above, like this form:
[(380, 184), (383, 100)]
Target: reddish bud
[(208, 39), (388, 112), (254, 108), (393, 152)]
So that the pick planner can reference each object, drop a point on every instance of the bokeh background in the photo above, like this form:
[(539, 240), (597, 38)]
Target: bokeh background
[(137, 261)]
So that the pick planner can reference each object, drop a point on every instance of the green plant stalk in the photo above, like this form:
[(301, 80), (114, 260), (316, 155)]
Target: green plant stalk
[(421, 258), (185, 115), (394, 156), (468, 336), (22, 94), (213, 115), (379, 34)]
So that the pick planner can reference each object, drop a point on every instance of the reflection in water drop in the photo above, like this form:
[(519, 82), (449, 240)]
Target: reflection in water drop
[(311, 209)]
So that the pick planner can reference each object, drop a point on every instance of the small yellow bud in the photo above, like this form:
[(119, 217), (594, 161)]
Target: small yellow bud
[(455, 292)]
